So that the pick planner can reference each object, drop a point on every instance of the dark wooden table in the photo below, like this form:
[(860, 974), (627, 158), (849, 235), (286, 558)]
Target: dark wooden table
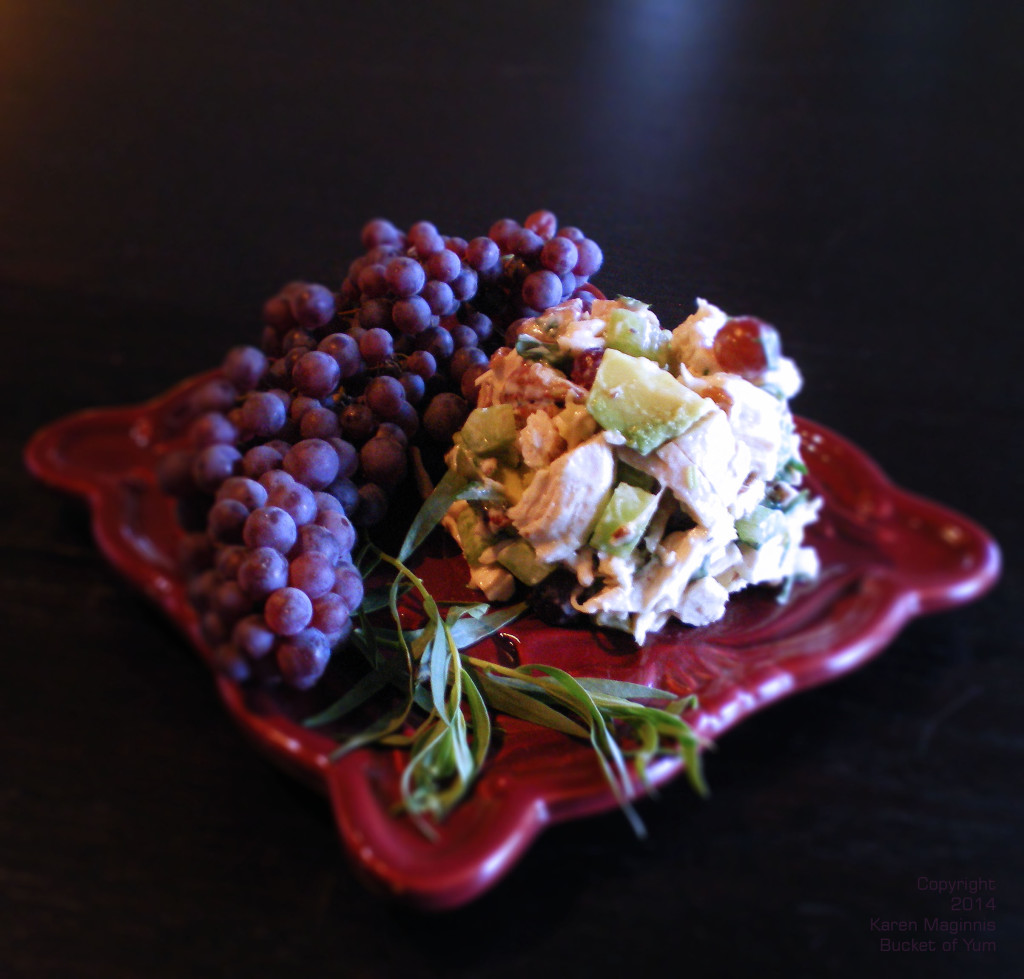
[(850, 172)]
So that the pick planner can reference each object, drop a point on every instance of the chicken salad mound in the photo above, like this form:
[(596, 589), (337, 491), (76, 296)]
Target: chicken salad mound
[(649, 473)]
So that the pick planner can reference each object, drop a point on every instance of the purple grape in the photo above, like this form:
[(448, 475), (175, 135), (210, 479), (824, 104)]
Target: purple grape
[(270, 344), (211, 428), (439, 298), (559, 255), (263, 413), (357, 423), (277, 314), (263, 570), (462, 336), (345, 351), (303, 658), (296, 500), (297, 338), (590, 258), (277, 372), (382, 254), (372, 281), (379, 231), (348, 585), (500, 232), (315, 538), (324, 501), (383, 461), (478, 322), (316, 374), (261, 459), (437, 341), (392, 431), (413, 387), (568, 285), (348, 458), (525, 243), (312, 462), (573, 234), (376, 345), (385, 396), (244, 367), (444, 416), (423, 363), (270, 526), (464, 358), (229, 661), (405, 276), (226, 520), (288, 611), (375, 314), (228, 560), (340, 527), (542, 289), (252, 636), (482, 254), (467, 383), (230, 601), (247, 491), (273, 478), (331, 615), (311, 572), (212, 465), (373, 505), (216, 394), (443, 266), (464, 285), (543, 223), (424, 237), (319, 423), (412, 315), (408, 419), (346, 493), (284, 396), (312, 306)]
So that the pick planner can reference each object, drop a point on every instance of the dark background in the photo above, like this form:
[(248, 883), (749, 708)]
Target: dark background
[(851, 172)]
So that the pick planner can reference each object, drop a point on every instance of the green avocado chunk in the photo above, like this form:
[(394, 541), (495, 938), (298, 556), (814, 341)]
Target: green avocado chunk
[(632, 333), (521, 559), (489, 431), (623, 520), (647, 405)]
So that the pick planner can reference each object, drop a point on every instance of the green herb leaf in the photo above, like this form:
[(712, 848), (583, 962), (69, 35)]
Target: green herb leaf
[(449, 744)]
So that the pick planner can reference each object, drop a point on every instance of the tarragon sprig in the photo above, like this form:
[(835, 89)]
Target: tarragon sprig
[(453, 695)]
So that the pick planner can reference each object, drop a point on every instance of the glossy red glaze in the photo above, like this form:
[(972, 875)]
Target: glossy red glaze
[(887, 555)]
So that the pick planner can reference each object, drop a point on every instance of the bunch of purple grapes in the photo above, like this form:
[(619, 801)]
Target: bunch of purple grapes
[(307, 437)]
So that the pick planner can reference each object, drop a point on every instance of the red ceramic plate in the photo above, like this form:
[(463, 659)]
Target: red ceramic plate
[(887, 555)]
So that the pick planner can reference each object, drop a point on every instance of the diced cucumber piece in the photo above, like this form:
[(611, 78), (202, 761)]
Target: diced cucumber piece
[(761, 525), (633, 333), (473, 535), (623, 520), (627, 474), (646, 404), (489, 431), (521, 559)]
